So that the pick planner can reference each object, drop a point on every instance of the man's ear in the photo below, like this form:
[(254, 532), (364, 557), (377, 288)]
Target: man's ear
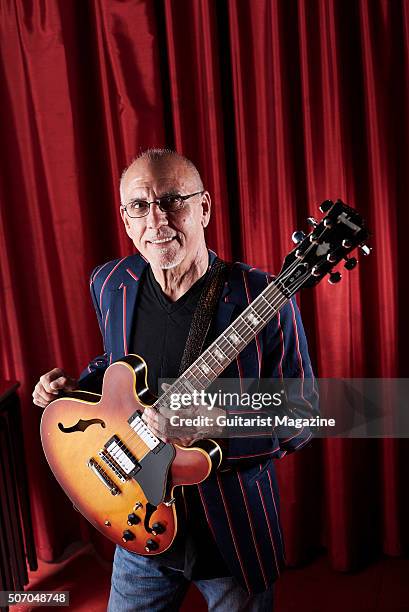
[(125, 219), (206, 208)]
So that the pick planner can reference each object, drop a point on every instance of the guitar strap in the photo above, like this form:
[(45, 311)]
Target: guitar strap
[(204, 312)]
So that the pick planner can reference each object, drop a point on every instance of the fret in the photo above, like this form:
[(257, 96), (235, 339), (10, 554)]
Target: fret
[(219, 348), (248, 326), (235, 351), (235, 332), (187, 384), (190, 371), (266, 301), (218, 364), (205, 367), (217, 354), (261, 311), (252, 317), (178, 386)]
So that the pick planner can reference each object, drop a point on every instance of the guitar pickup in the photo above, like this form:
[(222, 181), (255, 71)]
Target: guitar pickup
[(143, 431), (121, 456)]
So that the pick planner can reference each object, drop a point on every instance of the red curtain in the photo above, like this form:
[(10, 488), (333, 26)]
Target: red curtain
[(281, 104)]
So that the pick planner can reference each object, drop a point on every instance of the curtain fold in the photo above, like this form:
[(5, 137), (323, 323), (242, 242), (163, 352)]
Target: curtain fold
[(281, 104)]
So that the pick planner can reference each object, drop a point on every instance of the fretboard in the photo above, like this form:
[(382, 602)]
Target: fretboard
[(220, 354)]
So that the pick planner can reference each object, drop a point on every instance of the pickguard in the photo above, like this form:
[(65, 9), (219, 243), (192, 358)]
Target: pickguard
[(153, 475)]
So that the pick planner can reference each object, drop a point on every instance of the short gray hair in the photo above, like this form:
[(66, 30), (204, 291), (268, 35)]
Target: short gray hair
[(156, 154)]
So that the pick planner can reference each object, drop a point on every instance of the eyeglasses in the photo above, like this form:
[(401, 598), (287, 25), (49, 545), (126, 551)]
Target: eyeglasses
[(167, 204)]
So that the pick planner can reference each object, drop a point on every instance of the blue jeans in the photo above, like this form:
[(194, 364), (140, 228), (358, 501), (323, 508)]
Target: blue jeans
[(141, 584)]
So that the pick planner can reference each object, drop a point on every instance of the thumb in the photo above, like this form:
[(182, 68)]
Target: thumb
[(58, 383), (64, 382)]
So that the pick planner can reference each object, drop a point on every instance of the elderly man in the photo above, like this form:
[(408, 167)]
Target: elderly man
[(230, 544)]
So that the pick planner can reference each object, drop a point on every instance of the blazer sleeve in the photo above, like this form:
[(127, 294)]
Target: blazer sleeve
[(92, 376), (286, 357)]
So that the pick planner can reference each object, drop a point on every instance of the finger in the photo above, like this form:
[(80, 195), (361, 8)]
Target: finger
[(156, 432), (58, 383), (147, 416), (38, 400), (41, 392), (165, 414), (184, 441), (47, 378), (153, 426)]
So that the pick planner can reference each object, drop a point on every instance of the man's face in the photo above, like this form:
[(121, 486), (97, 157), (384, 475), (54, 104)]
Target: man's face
[(183, 230)]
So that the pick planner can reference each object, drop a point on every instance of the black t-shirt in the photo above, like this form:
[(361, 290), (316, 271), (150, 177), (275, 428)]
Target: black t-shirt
[(159, 333)]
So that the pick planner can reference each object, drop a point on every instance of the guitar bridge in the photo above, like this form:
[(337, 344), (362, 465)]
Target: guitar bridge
[(113, 466), (103, 476)]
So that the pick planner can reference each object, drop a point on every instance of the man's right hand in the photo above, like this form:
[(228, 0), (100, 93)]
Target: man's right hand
[(50, 384)]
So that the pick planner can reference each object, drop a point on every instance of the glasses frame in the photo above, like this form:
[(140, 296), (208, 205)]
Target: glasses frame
[(157, 201)]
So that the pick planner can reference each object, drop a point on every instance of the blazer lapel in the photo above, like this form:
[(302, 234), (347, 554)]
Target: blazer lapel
[(225, 309), (122, 308)]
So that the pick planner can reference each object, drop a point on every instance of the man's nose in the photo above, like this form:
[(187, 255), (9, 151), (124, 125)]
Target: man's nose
[(156, 217)]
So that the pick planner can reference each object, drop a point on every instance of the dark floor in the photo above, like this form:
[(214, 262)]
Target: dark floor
[(383, 587)]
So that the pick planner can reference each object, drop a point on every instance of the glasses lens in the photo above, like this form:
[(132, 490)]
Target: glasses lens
[(170, 203), (138, 208)]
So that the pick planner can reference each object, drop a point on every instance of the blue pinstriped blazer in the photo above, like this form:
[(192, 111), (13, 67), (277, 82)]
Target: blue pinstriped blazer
[(241, 503)]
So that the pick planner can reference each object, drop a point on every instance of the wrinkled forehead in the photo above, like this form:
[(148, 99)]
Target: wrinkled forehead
[(146, 180)]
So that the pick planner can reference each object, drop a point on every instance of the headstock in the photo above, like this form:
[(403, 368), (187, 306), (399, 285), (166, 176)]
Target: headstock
[(331, 241)]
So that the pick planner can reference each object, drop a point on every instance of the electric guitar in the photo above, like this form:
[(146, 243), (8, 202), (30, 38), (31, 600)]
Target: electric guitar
[(116, 472)]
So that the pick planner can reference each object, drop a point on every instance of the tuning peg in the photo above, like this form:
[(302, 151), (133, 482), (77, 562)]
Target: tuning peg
[(350, 263), (366, 250), (325, 206), (334, 278), (298, 237), (328, 222), (312, 221), (347, 243), (314, 236)]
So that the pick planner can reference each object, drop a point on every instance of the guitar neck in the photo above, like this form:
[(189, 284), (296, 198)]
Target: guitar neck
[(220, 354)]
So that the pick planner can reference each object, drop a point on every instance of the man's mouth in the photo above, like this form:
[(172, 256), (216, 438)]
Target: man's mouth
[(162, 240)]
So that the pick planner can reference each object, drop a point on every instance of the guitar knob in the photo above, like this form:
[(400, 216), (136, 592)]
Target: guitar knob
[(334, 278), (133, 519), (151, 545), (158, 528), (350, 263), (298, 237), (325, 206), (127, 536)]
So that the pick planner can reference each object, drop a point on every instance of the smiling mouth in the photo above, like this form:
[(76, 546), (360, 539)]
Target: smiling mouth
[(162, 240)]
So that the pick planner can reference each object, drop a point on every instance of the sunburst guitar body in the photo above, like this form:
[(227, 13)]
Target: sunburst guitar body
[(114, 470)]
